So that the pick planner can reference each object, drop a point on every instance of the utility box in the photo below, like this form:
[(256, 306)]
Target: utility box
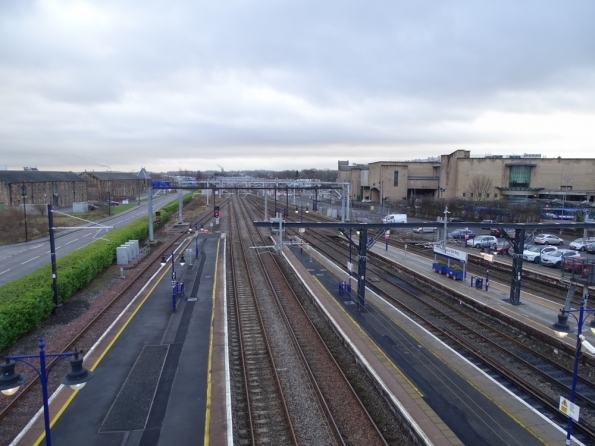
[(122, 255), (80, 207)]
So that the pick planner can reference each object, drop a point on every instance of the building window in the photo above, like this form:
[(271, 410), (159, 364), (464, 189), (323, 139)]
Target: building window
[(520, 176), (471, 194), (464, 194), (396, 178)]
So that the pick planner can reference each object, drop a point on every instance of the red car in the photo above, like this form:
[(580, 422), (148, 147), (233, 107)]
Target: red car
[(502, 247), (577, 265)]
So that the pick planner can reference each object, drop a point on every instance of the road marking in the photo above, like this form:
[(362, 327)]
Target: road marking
[(30, 260), (5, 271), (87, 235), (72, 241)]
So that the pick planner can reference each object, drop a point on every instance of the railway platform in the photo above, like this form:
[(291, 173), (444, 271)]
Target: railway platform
[(159, 373), (416, 368)]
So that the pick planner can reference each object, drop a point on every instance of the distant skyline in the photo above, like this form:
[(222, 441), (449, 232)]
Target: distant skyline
[(256, 84)]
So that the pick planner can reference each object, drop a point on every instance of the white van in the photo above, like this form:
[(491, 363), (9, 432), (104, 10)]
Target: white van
[(395, 218)]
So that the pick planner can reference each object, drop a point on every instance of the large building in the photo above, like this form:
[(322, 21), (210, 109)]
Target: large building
[(103, 186), (62, 189), (36, 187), (459, 175)]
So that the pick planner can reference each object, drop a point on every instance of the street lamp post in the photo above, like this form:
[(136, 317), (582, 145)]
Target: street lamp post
[(174, 282), (10, 381), (562, 329), (24, 195), (196, 238), (446, 212)]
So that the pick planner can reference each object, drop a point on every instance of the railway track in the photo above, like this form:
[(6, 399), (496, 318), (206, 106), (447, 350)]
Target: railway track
[(324, 395)]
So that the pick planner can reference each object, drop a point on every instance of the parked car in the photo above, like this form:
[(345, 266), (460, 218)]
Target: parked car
[(556, 258), (548, 239), (580, 244), (497, 232), (462, 234), (112, 203), (483, 241), (455, 220), (533, 253), (502, 247), (489, 222), (577, 265), (591, 248), (549, 216), (425, 229)]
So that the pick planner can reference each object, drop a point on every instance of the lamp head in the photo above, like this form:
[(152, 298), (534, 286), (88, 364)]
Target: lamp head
[(182, 261), (163, 261), (78, 375), (10, 381)]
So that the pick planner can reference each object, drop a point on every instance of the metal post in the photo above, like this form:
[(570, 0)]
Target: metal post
[(57, 303), (445, 220), (44, 390), (361, 284), (576, 361), (517, 266), (180, 206), (196, 240), (24, 194), (150, 211), (173, 295), (173, 267), (350, 258), (275, 202)]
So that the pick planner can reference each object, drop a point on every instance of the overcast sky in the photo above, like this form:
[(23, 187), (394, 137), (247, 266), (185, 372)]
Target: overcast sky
[(247, 84)]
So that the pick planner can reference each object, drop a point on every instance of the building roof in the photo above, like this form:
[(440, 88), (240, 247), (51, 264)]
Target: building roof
[(143, 174), (35, 176), (112, 176)]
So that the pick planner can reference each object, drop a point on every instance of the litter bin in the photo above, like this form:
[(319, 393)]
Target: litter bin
[(342, 287), (479, 283)]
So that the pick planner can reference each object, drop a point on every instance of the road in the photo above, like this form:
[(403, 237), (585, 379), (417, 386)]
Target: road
[(20, 259)]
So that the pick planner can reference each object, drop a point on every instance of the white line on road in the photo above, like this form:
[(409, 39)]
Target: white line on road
[(72, 241), (30, 260), (5, 271)]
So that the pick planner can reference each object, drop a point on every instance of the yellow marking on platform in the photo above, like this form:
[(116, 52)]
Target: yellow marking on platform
[(209, 366)]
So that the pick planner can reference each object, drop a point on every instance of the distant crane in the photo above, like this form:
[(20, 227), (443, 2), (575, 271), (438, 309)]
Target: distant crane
[(221, 167)]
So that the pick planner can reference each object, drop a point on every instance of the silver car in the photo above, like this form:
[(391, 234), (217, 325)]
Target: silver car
[(483, 241), (556, 258), (548, 239)]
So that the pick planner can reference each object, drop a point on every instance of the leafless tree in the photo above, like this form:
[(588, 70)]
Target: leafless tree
[(480, 187)]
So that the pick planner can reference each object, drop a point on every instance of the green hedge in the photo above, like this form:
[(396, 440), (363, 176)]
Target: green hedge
[(28, 300)]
